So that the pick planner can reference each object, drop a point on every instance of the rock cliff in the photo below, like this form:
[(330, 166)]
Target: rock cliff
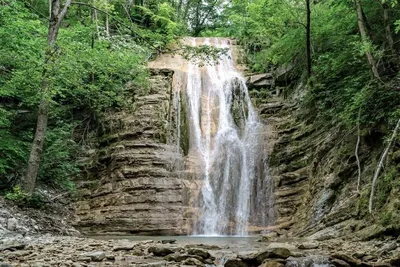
[(136, 188), (315, 171)]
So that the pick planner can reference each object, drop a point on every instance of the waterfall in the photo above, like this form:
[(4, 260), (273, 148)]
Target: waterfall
[(226, 144)]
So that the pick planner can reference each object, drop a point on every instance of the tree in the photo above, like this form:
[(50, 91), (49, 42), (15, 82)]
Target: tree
[(366, 40), (388, 29), (380, 165), (203, 13), (308, 38), (57, 15)]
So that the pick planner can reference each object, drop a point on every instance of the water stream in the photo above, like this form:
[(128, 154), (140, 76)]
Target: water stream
[(226, 140)]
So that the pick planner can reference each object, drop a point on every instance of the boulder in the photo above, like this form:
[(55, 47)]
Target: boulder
[(248, 256), (349, 259), (270, 108), (382, 264), (193, 262), (281, 253), (368, 258), (259, 81), (176, 257), (359, 254), (235, 263), (339, 263), (389, 247), (160, 251), (283, 74), (199, 252), (95, 256), (395, 260), (269, 263), (138, 252), (308, 261), (371, 232), (12, 246)]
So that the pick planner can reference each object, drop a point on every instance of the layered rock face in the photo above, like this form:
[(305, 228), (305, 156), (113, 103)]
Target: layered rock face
[(314, 168), (137, 187)]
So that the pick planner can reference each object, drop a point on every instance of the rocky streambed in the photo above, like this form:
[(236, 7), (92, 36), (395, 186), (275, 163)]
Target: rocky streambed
[(48, 250)]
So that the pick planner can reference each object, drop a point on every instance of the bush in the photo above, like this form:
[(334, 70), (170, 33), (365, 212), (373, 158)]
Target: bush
[(19, 197)]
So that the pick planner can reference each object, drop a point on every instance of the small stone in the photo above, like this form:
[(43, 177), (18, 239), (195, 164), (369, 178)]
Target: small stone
[(308, 245), (12, 224), (168, 241), (4, 264), (110, 257), (204, 246), (368, 258), (82, 258), (359, 255), (209, 261), (20, 253), (297, 254), (121, 247), (376, 264), (138, 252), (271, 236)]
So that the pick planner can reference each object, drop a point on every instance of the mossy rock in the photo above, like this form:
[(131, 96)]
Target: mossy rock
[(371, 232)]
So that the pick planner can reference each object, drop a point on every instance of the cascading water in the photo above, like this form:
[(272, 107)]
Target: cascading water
[(226, 141)]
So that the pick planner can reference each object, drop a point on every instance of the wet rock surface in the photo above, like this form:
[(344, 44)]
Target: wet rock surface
[(48, 250)]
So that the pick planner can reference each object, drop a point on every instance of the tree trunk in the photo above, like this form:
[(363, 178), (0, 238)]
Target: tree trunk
[(366, 39), (49, 9), (29, 182), (95, 18), (107, 27), (380, 165), (388, 30), (308, 39), (356, 151), (57, 15)]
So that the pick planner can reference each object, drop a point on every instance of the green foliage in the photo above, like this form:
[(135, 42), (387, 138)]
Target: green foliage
[(203, 54), (12, 149), (59, 164), (91, 72), (19, 197), (273, 34)]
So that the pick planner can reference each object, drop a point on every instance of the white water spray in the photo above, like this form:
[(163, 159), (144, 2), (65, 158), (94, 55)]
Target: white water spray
[(225, 138)]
